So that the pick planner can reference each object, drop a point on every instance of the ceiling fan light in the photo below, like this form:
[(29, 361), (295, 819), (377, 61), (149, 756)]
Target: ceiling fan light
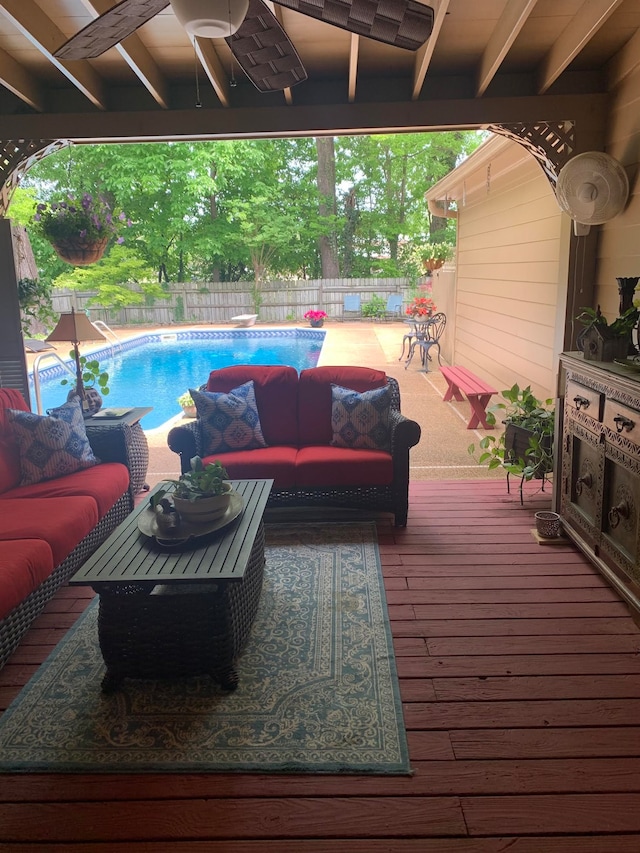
[(210, 18)]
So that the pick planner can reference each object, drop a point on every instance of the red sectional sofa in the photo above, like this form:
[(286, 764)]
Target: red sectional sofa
[(48, 528), (296, 422)]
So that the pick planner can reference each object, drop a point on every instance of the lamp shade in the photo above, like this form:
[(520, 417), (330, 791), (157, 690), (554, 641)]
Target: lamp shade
[(75, 327)]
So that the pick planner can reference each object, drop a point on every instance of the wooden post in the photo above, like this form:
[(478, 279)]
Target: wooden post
[(13, 362)]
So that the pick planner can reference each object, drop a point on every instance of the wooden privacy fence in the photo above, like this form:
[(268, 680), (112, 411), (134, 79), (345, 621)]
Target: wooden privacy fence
[(207, 302)]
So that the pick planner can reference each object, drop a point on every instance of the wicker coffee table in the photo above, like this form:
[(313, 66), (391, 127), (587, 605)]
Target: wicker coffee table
[(182, 611)]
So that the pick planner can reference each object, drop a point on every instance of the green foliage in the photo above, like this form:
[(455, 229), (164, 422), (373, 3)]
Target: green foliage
[(523, 409), (92, 375), (435, 251), (178, 311), (185, 399), (34, 297), (375, 307), (621, 327), (202, 481)]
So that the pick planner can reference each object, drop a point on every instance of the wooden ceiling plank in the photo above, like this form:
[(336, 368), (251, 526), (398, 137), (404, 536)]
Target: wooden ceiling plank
[(42, 32), (137, 57), (625, 61), (354, 49), (18, 80), (584, 25), (424, 54), (213, 69), (508, 28)]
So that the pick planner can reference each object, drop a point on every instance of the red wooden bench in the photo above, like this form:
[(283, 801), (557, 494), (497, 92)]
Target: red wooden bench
[(462, 381)]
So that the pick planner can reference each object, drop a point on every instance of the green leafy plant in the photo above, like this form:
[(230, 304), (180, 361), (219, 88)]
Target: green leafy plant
[(185, 400), (202, 481), (92, 375), (375, 308), (436, 252), (520, 409), (34, 297), (621, 327)]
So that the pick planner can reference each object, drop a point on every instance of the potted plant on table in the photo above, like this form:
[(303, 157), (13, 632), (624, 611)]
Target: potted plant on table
[(603, 341), (94, 382), (79, 228), (316, 318), (421, 308), (200, 495), (525, 448)]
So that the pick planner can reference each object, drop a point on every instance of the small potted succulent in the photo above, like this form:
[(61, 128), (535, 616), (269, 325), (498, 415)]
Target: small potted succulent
[(188, 406), (316, 318), (200, 495)]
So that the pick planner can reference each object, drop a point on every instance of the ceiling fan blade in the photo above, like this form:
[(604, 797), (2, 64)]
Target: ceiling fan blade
[(264, 51), (110, 29), (402, 23)]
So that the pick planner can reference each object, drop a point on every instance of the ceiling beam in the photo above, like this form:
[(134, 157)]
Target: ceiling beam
[(137, 57), (512, 20), (275, 122), (216, 74), (42, 32), (584, 24), (425, 53), (354, 49), (23, 85)]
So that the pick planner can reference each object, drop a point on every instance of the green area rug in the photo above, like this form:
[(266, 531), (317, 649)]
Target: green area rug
[(318, 689)]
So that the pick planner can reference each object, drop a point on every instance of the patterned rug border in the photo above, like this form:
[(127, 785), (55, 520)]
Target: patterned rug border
[(360, 733)]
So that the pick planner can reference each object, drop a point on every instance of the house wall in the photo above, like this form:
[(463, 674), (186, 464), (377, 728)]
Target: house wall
[(619, 241), (511, 274)]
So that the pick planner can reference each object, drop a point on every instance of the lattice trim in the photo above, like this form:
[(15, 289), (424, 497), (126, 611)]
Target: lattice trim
[(551, 144), (17, 156)]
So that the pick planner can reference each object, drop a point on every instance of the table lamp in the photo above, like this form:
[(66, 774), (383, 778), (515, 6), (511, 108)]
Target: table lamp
[(76, 328)]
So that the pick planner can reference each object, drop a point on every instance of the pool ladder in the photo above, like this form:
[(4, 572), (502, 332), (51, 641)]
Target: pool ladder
[(36, 374), (109, 334)]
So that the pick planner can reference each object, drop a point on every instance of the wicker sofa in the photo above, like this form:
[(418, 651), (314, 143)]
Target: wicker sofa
[(295, 415), (48, 528)]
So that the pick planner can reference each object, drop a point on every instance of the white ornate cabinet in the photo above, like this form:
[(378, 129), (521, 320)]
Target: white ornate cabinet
[(599, 494)]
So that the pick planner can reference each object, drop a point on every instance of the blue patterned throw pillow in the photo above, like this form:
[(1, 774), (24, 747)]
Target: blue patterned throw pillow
[(51, 446), (361, 420), (229, 421)]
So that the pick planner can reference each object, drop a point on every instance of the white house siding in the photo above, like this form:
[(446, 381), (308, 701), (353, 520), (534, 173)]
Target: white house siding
[(509, 269), (619, 243)]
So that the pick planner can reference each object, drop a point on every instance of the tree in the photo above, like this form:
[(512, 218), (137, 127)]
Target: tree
[(327, 205)]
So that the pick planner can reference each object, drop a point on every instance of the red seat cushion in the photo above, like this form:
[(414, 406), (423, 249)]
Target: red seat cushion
[(24, 564), (277, 463), (314, 397), (276, 389), (10, 398), (337, 466), (104, 483), (62, 522)]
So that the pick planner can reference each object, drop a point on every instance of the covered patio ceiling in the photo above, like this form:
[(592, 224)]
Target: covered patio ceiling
[(486, 62)]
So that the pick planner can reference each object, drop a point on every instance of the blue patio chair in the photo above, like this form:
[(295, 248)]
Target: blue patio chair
[(351, 305), (394, 306)]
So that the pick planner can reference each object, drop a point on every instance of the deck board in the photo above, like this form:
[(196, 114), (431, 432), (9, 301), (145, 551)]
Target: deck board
[(519, 672)]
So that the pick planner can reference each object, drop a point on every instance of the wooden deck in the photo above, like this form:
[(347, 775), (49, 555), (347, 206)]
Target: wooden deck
[(520, 677)]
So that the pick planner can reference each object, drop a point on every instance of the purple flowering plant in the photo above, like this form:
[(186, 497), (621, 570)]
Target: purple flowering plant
[(86, 220)]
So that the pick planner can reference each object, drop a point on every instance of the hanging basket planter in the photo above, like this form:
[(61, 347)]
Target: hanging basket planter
[(80, 253)]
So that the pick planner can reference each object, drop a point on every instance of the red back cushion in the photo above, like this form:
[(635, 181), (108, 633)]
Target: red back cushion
[(276, 388), (314, 397), (10, 398)]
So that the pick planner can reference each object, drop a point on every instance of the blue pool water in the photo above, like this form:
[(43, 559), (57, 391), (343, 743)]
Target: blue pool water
[(154, 370)]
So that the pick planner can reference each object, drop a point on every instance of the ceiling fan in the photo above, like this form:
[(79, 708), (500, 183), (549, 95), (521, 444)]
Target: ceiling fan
[(256, 39)]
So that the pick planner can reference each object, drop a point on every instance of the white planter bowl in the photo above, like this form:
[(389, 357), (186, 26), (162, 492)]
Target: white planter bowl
[(203, 510)]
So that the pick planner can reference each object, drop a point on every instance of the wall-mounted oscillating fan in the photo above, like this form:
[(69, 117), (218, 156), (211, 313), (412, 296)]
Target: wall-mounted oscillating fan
[(592, 188)]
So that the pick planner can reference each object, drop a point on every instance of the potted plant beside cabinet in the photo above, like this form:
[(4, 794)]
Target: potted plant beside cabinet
[(525, 448)]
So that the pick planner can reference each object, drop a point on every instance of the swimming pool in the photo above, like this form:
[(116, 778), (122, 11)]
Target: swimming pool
[(155, 369)]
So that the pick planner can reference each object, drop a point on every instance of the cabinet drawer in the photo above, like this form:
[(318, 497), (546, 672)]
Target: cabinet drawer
[(623, 420), (579, 398)]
